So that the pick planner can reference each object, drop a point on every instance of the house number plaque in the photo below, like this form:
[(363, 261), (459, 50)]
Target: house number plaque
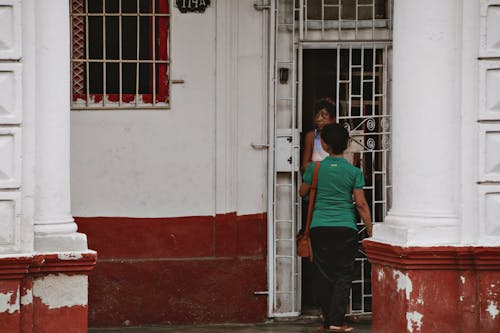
[(186, 6)]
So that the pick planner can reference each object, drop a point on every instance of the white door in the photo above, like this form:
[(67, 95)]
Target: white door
[(283, 210)]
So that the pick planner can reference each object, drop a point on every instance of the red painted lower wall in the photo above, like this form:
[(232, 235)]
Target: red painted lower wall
[(177, 270), (434, 289)]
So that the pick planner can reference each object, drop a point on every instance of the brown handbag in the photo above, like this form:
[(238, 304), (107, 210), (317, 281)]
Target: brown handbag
[(304, 248)]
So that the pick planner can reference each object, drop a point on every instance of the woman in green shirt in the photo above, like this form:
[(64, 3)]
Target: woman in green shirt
[(333, 226)]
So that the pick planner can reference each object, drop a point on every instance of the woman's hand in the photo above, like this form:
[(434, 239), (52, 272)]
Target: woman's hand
[(369, 229), (363, 209)]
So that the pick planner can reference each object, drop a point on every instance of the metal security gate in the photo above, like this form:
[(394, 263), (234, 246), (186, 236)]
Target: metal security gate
[(356, 36)]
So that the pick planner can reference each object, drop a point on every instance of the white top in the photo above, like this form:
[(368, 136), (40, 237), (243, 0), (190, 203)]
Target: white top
[(318, 153)]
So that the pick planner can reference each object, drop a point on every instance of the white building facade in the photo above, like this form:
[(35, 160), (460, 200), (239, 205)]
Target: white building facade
[(166, 135)]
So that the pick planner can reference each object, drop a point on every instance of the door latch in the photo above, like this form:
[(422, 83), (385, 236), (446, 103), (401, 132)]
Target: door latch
[(259, 145)]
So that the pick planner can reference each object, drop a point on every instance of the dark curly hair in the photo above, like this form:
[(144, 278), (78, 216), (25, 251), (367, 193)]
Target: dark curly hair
[(325, 103), (336, 137)]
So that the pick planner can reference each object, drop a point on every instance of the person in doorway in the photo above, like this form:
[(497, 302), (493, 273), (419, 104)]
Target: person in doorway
[(312, 151), (324, 114), (334, 234)]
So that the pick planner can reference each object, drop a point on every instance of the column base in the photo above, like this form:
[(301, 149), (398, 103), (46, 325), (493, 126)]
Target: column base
[(45, 292), (60, 242), (434, 289), (405, 235)]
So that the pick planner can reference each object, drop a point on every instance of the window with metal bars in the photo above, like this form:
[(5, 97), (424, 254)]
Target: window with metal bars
[(346, 9), (345, 15), (120, 54)]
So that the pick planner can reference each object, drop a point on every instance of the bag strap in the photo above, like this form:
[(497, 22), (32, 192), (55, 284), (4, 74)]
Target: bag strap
[(312, 197)]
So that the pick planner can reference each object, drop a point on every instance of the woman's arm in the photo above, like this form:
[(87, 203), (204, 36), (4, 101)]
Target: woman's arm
[(308, 150), (304, 189), (363, 209)]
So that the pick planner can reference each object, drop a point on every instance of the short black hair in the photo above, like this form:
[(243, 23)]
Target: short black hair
[(336, 137)]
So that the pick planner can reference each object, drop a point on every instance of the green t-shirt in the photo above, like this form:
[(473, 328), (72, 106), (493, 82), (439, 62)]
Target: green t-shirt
[(334, 206)]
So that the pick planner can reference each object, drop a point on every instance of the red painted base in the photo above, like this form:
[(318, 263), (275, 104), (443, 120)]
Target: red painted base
[(65, 319), (434, 289), (20, 308), (177, 270)]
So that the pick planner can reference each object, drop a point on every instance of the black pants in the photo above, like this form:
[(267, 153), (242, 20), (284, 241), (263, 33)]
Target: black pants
[(334, 250)]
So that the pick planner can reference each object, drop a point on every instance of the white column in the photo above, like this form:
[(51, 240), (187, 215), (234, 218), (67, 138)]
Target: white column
[(426, 119), (55, 229)]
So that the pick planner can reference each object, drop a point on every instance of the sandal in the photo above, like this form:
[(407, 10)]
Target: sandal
[(344, 328)]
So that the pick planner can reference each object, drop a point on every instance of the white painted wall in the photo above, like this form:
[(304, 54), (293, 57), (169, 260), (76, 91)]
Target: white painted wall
[(252, 108), (469, 127), (194, 159)]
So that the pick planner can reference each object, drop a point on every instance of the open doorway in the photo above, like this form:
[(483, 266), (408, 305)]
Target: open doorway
[(322, 50), (355, 77), (319, 81)]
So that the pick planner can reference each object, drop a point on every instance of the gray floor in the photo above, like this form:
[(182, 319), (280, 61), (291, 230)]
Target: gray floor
[(300, 325)]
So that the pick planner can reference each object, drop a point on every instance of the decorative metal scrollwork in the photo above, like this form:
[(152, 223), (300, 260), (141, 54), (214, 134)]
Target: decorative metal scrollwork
[(386, 142), (370, 124), (384, 122), (370, 143)]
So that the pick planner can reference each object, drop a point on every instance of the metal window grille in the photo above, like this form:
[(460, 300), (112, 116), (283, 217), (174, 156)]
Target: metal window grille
[(345, 19), (361, 90), (120, 54)]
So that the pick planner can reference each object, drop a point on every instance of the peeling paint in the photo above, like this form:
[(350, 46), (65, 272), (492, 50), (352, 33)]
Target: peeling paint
[(462, 278), (414, 320), (6, 305), (461, 298), (420, 300), (492, 309), (69, 256), (57, 291), (381, 274), (404, 283), (27, 298), (492, 291)]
